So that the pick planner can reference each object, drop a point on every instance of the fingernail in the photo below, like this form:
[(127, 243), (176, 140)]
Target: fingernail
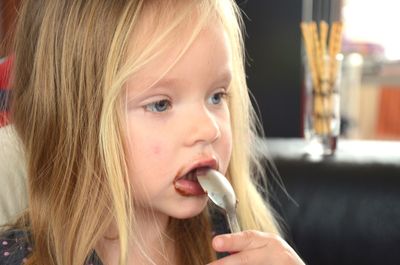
[(218, 242)]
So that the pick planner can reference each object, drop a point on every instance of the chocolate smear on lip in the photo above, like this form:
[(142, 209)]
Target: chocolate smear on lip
[(189, 192)]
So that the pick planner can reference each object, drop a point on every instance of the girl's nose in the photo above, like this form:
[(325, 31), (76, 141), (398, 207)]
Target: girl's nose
[(203, 127)]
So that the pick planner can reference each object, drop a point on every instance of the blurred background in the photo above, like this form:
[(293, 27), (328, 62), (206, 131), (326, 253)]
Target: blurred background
[(370, 98), (345, 208)]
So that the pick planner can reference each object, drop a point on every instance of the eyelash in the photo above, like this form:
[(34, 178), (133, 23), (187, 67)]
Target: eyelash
[(151, 107)]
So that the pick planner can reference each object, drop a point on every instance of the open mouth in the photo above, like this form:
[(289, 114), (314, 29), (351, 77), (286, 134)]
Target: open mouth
[(188, 184), (191, 175)]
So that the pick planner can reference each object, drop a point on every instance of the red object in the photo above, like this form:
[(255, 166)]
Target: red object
[(388, 123), (5, 68), (5, 73)]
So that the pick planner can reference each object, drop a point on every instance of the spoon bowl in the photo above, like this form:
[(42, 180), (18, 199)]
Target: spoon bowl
[(221, 193)]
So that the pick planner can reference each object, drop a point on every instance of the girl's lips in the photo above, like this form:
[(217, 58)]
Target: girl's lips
[(201, 163)]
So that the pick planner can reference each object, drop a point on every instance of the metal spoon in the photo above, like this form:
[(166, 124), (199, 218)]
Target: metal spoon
[(221, 193)]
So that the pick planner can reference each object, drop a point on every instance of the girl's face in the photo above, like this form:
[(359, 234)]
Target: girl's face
[(181, 122)]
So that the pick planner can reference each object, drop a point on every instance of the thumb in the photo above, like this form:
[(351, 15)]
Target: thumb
[(237, 242)]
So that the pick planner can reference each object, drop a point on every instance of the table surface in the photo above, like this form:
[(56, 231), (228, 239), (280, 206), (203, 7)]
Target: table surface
[(348, 151)]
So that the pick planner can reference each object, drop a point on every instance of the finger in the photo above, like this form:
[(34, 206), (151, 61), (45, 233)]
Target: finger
[(249, 257), (249, 239), (261, 256)]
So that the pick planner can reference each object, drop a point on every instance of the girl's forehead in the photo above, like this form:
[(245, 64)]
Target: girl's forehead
[(181, 46), (158, 20)]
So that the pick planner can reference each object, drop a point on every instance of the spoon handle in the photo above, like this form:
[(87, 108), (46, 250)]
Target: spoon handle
[(233, 222)]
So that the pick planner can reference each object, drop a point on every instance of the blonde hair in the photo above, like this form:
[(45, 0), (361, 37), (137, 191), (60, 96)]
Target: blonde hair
[(71, 64)]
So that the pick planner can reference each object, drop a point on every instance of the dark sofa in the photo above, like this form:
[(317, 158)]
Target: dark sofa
[(343, 209)]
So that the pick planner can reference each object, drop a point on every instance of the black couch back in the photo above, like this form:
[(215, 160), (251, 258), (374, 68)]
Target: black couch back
[(345, 208)]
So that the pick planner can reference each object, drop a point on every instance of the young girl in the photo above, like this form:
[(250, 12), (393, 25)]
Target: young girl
[(117, 103)]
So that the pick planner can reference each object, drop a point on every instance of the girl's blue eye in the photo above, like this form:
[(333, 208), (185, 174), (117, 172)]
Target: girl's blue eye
[(158, 106), (217, 98)]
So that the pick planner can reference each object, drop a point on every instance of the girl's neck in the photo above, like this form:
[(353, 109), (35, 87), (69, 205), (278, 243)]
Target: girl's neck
[(152, 242)]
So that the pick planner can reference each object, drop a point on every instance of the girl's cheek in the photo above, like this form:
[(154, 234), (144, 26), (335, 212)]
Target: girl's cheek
[(156, 149)]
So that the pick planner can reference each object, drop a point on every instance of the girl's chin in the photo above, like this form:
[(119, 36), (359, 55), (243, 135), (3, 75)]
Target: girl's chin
[(190, 208)]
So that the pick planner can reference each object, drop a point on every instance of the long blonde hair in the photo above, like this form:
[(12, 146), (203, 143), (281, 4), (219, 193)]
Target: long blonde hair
[(71, 63)]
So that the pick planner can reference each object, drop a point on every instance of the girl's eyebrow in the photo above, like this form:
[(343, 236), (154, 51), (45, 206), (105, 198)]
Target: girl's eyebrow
[(222, 77), (169, 82)]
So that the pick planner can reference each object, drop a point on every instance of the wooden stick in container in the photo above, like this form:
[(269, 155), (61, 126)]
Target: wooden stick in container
[(335, 45), (307, 36), (323, 26), (334, 49), (309, 46), (319, 106), (318, 54)]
